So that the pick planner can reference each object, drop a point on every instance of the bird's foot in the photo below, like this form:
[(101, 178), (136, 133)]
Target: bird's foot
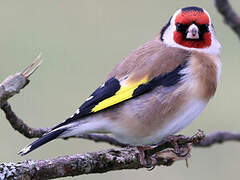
[(176, 149), (167, 152), (180, 152), (148, 163)]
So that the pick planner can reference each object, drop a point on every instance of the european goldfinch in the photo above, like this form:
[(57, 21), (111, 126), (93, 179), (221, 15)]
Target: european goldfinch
[(157, 90)]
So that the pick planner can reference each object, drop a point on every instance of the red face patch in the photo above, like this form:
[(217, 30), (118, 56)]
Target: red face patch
[(205, 42), (188, 18)]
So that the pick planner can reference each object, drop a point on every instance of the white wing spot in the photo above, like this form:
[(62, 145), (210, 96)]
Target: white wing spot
[(89, 98), (77, 111)]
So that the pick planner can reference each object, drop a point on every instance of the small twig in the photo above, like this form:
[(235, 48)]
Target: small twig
[(231, 18), (19, 125), (28, 71), (14, 83), (218, 137)]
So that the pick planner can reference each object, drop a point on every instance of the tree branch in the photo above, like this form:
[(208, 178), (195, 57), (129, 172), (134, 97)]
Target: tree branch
[(231, 18), (96, 162)]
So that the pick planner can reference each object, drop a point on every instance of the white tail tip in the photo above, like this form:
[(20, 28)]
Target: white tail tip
[(24, 151)]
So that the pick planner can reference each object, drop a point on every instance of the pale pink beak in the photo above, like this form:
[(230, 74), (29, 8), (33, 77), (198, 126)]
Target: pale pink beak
[(193, 32)]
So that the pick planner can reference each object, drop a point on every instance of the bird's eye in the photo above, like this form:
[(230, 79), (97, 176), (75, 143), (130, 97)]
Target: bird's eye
[(203, 28), (181, 27)]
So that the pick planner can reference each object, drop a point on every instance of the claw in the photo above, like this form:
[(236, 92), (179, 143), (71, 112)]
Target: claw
[(187, 165), (153, 162), (151, 168)]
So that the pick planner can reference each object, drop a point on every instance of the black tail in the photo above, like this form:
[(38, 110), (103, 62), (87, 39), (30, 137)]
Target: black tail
[(41, 141)]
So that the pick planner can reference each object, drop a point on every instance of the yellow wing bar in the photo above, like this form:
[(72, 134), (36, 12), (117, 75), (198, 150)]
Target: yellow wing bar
[(124, 93)]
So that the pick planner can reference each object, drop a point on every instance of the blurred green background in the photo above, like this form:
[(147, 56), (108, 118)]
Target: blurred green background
[(81, 41)]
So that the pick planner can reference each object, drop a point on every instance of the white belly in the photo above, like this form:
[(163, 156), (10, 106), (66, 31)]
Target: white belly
[(184, 117)]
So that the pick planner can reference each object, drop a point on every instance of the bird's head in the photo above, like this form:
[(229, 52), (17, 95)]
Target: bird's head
[(191, 28)]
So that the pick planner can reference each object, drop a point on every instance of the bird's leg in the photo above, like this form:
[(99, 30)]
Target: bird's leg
[(144, 159), (176, 148)]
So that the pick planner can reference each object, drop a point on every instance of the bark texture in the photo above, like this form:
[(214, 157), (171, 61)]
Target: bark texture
[(97, 162)]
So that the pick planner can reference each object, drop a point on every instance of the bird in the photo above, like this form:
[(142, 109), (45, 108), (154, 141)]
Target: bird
[(156, 91)]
